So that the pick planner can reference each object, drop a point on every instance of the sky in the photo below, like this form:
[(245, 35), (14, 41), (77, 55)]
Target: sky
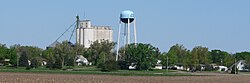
[(215, 24)]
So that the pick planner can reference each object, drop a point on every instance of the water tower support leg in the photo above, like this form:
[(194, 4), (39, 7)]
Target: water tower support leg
[(128, 31), (118, 42), (135, 35)]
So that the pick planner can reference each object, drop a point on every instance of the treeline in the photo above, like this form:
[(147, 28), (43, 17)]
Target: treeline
[(102, 55), (63, 54), (178, 54)]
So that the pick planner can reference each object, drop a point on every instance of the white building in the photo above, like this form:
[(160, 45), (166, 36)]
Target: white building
[(86, 34), (240, 65), (81, 60), (158, 65), (220, 68)]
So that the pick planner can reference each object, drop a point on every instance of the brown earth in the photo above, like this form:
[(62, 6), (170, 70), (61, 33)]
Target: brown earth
[(68, 78)]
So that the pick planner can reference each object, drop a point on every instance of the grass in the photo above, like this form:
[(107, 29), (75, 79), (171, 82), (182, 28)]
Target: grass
[(94, 71)]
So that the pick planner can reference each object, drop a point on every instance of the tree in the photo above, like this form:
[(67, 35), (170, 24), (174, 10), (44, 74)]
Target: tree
[(6, 53), (110, 65), (58, 63), (121, 54), (49, 54), (23, 61), (101, 54), (31, 52), (176, 54), (243, 56), (79, 49), (168, 59), (99, 48), (102, 59), (200, 55), (65, 54), (221, 57), (12, 55), (34, 63), (2, 51), (144, 56)]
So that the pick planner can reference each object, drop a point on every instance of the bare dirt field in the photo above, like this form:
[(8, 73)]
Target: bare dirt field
[(6, 77)]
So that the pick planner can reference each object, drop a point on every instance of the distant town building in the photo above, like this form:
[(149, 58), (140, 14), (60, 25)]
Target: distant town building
[(240, 65), (86, 34)]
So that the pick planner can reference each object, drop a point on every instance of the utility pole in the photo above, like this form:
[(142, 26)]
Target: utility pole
[(235, 65), (167, 63), (17, 60), (221, 62)]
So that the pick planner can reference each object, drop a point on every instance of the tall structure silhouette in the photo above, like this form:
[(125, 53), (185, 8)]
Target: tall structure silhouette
[(86, 33), (126, 19)]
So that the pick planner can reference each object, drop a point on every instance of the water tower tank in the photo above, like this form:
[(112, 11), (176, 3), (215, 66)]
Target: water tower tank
[(125, 15)]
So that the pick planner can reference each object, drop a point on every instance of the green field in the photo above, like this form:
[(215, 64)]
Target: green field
[(94, 70)]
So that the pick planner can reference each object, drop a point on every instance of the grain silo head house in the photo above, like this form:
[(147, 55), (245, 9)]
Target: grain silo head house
[(86, 33)]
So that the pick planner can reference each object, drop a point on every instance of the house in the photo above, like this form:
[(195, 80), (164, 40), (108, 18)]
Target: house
[(179, 66), (158, 65), (81, 60), (220, 68), (132, 66), (240, 65), (43, 63), (53, 45)]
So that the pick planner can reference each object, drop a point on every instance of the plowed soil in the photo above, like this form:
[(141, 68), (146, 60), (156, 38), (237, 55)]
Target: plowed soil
[(68, 78)]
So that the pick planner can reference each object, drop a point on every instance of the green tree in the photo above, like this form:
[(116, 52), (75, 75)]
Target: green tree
[(34, 63), (6, 53), (243, 56), (200, 55), (49, 54), (102, 59), (79, 49), (221, 57), (177, 54), (144, 56), (109, 65), (2, 51), (65, 53), (168, 59), (23, 61), (228, 60), (58, 63), (30, 51), (103, 47)]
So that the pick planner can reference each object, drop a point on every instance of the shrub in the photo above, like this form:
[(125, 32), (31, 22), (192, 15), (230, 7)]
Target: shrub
[(34, 63), (110, 65), (123, 65), (23, 60)]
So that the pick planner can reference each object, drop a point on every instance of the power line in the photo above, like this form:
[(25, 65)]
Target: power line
[(66, 31), (72, 33)]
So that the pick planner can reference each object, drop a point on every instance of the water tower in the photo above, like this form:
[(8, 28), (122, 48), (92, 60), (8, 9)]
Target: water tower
[(126, 20)]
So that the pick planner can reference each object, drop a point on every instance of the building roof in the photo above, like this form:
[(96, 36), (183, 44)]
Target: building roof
[(53, 44), (237, 63)]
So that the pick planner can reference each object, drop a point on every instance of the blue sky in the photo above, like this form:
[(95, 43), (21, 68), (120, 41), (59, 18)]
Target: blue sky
[(216, 24)]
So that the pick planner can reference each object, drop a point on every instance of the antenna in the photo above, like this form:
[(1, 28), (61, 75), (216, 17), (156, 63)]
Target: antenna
[(84, 15)]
